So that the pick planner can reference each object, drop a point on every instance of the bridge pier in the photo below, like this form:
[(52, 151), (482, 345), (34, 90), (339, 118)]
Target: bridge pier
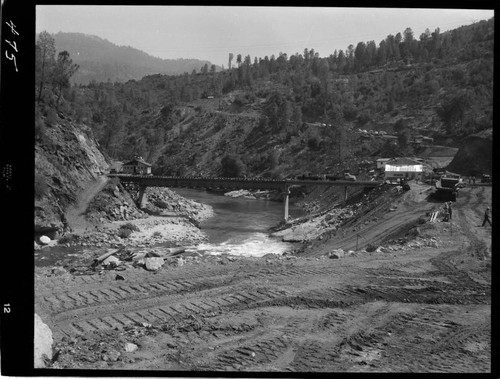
[(287, 195), (143, 198)]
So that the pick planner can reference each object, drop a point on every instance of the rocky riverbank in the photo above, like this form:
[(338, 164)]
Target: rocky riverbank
[(112, 220)]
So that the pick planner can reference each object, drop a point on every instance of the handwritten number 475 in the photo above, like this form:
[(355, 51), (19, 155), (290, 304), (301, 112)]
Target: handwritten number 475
[(13, 44)]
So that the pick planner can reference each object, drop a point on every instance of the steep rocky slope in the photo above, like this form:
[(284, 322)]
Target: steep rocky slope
[(66, 159)]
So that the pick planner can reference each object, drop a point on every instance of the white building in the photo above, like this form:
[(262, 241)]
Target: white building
[(403, 168)]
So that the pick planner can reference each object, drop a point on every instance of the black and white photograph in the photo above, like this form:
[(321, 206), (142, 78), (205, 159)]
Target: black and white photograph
[(260, 189)]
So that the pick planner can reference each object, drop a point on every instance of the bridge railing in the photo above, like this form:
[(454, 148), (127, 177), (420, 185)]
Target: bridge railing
[(150, 180)]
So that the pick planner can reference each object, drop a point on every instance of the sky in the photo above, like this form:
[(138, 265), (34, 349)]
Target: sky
[(212, 32)]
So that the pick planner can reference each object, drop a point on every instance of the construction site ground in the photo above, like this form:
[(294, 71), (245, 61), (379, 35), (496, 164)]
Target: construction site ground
[(416, 308)]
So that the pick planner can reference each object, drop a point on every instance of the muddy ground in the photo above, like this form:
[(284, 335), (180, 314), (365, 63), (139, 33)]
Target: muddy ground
[(409, 307)]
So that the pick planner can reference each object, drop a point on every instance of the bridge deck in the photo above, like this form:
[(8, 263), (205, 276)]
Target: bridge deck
[(238, 183)]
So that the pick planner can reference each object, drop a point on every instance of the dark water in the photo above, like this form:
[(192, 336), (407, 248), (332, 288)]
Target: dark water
[(239, 227), (237, 219)]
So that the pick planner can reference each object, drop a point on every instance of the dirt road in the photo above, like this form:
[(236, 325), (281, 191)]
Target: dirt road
[(74, 214), (421, 309)]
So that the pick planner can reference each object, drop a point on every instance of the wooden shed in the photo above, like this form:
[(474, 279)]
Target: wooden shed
[(137, 166)]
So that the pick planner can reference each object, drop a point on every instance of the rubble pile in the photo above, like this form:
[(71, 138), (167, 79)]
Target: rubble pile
[(125, 258), (113, 204), (164, 199), (249, 194), (308, 228)]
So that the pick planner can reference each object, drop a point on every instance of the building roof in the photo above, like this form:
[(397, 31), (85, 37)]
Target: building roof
[(404, 168), (404, 162), (384, 159), (137, 161), (403, 165)]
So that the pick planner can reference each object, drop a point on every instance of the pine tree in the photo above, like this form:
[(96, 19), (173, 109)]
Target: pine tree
[(45, 61)]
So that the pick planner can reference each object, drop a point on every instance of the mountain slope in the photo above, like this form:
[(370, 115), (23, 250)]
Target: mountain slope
[(67, 158), (303, 114), (101, 60)]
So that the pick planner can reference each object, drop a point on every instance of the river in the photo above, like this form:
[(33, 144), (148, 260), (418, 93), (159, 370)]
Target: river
[(240, 226)]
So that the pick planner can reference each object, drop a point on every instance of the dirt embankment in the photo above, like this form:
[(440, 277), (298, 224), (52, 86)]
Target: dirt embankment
[(408, 307), (475, 157)]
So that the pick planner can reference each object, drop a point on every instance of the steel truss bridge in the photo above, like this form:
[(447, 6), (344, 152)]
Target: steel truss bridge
[(138, 184)]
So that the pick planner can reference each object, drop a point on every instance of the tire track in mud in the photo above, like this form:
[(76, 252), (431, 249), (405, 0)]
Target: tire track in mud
[(116, 294), (156, 311), (313, 355), (262, 353), (444, 267), (347, 296), (56, 298), (426, 341), (116, 305)]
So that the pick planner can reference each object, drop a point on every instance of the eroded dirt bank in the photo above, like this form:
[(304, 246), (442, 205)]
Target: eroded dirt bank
[(408, 307)]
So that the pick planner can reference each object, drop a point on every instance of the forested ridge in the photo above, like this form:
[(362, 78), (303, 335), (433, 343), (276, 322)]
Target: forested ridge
[(279, 115), (101, 60)]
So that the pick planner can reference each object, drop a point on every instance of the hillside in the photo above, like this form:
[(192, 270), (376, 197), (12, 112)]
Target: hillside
[(101, 60), (381, 279), (67, 158), (289, 116), (286, 116)]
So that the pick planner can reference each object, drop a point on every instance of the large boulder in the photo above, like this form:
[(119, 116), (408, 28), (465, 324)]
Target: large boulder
[(336, 254), (45, 240), (43, 342), (153, 264), (111, 261), (130, 347)]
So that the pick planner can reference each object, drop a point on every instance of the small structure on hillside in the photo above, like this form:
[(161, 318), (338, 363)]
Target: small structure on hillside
[(403, 168), (137, 166), (381, 163), (428, 140)]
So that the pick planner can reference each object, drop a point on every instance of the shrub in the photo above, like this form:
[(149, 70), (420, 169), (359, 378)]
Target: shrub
[(350, 112), (130, 226), (161, 204), (41, 186), (313, 140), (124, 233), (68, 239), (364, 117), (370, 248), (232, 166), (157, 234)]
